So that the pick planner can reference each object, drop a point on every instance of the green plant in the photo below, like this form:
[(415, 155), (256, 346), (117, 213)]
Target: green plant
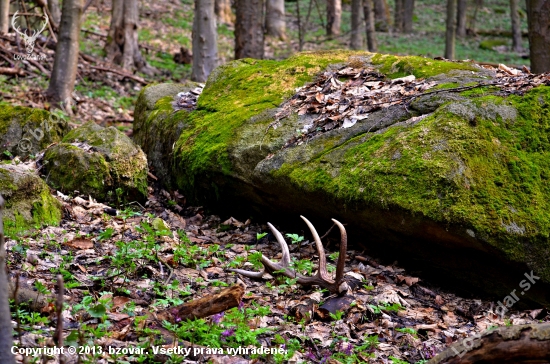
[(260, 235), (106, 234), (407, 330), (295, 238), (395, 360), (337, 315)]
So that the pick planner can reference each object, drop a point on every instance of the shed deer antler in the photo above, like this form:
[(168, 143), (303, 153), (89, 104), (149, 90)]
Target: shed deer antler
[(322, 278), (29, 40)]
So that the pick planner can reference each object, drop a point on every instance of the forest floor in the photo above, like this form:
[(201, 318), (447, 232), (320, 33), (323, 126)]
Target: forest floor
[(119, 271)]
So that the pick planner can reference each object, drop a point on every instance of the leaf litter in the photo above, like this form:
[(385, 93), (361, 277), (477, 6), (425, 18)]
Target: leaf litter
[(119, 268)]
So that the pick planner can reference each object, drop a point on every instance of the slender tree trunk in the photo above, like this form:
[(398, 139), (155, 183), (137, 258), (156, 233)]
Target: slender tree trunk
[(398, 16), (381, 15), (223, 12), (356, 22), (66, 54), (478, 5), (408, 12), (538, 17), (53, 6), (334, 17), (4, 16), (516, 26), (451, 30), (368, 9), (249, 33), (6, 330), (122, 40), (461, 18), (205, 48), (275, 25)]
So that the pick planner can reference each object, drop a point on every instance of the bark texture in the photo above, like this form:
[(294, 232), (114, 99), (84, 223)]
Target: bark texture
[(334, 17), (4, 16), (512, 344), (6, 336), (450, 35), (538, 17), (249, 33), (275, 25), (223, 12), (382, 15), (356, 41), (408, 12), (205, 48), (516, 26), (461, 18), (122, 40), (55, 11), (368, 9), (66, 54)]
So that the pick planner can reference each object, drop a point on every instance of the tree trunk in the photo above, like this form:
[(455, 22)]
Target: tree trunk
[(356, 20), (6, 330), (223, 12), (516, 26), (538, 17), (66, 55), (4, 16), (249, 33), (334, 17), (398, 16), (368, 9), (275, 25), (461, 18), (53, 7), (381, 15), (408, 11), (122, 40), (205, 48), (451, 30)]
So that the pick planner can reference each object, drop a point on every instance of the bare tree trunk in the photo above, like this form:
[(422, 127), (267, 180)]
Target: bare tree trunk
[(334, 17), (538, 17), (275, 25), (356, 20), (461, 18), (249, 33), (516, 26), (205, 48), (478, 5), (6, 330), (223, 12), (368, 9), (381, 15), (408, 11), (53, 7), (66, 54), (451, 30), (4, 16), (122, 40), (398, 16)]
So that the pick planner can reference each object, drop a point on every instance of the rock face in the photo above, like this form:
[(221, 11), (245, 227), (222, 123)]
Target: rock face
[(101, 162), (449, 183), (25, 131), (29, 203)]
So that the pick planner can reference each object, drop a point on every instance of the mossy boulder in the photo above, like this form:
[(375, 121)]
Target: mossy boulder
[(463, 189), (25, 131), (28, 201), (101, 162)]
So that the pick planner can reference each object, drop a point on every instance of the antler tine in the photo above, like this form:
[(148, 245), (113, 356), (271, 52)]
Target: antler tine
[(343, 251), (15, 27), (322, 272), (285, 259)]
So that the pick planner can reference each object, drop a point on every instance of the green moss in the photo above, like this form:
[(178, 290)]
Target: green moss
[(489, 44), (446, 85), (490, 176), (395, 66)]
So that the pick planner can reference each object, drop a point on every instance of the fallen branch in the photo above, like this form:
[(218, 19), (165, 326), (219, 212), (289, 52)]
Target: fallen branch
[(12, 71), (132, 77), (512, 344), (205, 306)]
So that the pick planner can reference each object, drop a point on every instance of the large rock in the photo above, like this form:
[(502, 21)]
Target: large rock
[(29, 203), (462, 192), (101, 162), (25, 131)]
